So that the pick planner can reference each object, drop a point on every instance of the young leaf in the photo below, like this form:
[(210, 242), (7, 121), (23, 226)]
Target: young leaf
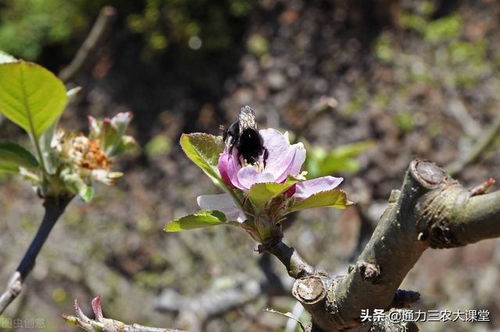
[(335, 198), (45, 142), (201, 219), (30, 96), (204, 151), (261, 193), (14, 155)]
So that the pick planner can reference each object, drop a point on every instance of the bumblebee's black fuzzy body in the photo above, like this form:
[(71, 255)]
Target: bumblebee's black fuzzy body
[(243, 135)]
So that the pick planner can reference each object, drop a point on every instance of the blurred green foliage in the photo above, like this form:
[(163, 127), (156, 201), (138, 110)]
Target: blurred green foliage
[(404, 121), (321, 162), (449, 58), (30, 25), (158, 145), (196, 24), (257, 44)]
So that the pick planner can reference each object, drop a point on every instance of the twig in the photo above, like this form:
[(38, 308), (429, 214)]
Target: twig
[(54, 208), (295, 265), (457, 109), (289, 315), (95, 38), (477, 150), (198, 310), (291, 324), (324, 105), (195, 312), (100, 323)]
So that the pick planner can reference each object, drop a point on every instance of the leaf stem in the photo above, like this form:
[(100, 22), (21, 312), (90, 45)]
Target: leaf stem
[(39, 154)]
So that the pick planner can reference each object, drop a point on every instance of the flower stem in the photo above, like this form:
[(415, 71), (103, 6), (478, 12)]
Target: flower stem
[(54, 208)]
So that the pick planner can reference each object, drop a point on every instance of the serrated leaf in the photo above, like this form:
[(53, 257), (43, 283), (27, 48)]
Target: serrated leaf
[(30, 96), (261, 193), (335, 198), (201, 219), (204, 150), (14, 155)]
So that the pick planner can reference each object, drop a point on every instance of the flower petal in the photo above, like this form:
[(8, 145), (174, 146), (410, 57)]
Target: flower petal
[(229, 166), (295, 164), (248, 176), (223, 203), (223, 166), (298, 159), (280, 152), (310, 187)]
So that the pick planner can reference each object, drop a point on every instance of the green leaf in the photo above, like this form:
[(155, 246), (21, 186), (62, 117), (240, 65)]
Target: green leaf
[(261, 193), (30, 96), (201, 219), (335, 198), (9, 168), (14, 155), (87, 193), (204, 150)]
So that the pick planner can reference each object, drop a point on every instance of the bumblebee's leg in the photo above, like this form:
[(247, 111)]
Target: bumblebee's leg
[(266, 155)]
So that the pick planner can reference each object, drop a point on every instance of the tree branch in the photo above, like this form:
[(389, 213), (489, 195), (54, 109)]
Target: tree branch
[(100, 323), (54, 208), (95, 38), (477, 150), (431, 210), (195, 312), (294, 264)]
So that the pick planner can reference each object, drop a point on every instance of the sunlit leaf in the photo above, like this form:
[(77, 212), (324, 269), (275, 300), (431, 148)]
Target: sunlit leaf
[(204, 150), (30, 96), (261, 193), (335, 198), (201, 219)]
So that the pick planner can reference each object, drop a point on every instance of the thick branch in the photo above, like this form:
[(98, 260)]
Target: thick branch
[(431, 210), (54, 208)]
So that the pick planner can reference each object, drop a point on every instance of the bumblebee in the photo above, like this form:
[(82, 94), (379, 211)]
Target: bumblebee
[(243, 135)]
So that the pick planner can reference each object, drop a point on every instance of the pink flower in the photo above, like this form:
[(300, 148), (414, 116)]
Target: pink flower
[(284, 160)]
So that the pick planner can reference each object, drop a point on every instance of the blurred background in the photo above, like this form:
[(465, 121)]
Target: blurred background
[(411, 79)]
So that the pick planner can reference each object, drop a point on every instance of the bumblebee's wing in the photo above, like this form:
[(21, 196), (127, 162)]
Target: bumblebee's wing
[(247, 118)]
